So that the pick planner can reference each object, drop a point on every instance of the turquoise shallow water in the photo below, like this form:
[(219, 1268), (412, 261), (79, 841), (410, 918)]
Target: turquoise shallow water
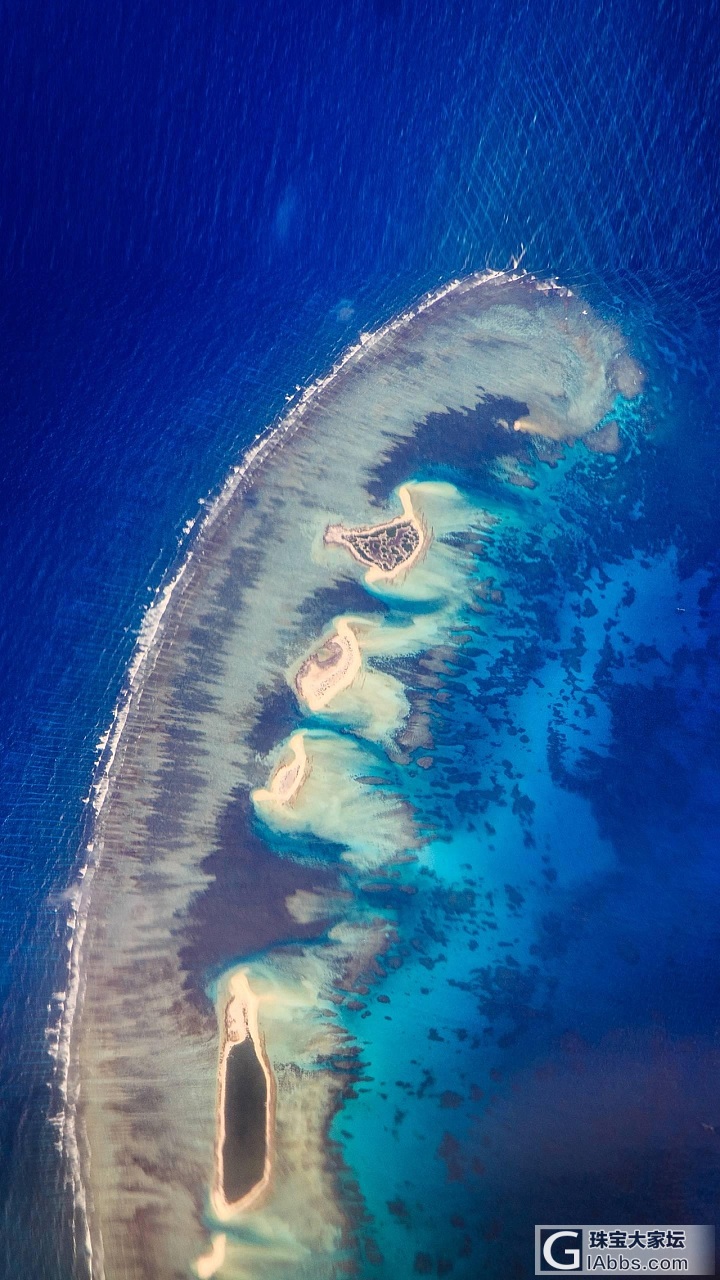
[(482, 1001), (545, 1055)]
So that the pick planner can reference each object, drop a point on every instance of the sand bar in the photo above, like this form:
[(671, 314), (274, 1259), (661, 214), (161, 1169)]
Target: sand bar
[(208, 1263), (287, 779), (332, 668)]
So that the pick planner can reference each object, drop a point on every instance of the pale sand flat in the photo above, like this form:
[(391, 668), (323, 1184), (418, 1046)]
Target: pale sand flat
[(207, 1265), (319, 679), (287, 779)]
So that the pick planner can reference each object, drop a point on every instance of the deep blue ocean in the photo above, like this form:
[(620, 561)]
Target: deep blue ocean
[(199, 208)]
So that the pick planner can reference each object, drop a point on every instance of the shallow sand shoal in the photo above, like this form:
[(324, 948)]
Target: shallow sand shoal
[(287, 779), (321, 678), (208, 1263)]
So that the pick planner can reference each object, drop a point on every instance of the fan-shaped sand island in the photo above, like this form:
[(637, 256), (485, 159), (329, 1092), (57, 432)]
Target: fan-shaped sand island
[(331, 668), (289, 777)]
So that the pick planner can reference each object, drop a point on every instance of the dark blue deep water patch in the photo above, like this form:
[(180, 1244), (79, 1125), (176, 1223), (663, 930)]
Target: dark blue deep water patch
[(198, 211)]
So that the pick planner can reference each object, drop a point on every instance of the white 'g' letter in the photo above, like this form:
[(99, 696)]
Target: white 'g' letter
[(572, 1253)]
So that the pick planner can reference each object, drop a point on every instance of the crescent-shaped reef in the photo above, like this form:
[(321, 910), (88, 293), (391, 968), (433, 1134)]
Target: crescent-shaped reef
[(281, 924)]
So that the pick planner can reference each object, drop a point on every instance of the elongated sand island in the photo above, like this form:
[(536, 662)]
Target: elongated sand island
[(245, 1106), (259, 876)]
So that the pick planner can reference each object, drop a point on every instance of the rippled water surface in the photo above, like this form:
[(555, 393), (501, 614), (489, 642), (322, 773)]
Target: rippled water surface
[(199, 214)]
